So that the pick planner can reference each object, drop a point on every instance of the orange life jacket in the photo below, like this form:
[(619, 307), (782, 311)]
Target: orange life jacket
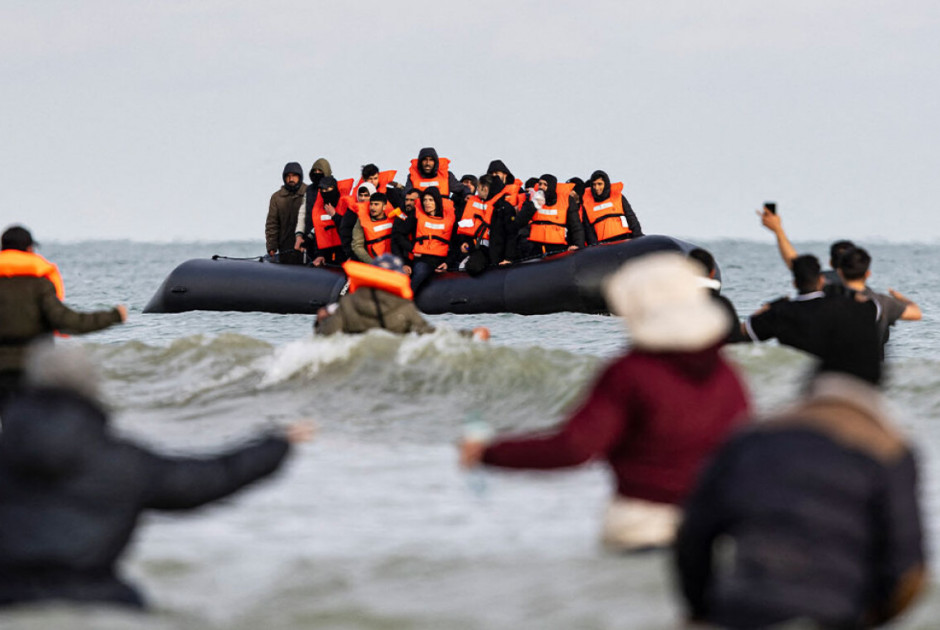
[(607, 217), (477, 216), (362, 275), (324, 229), (548, 223), (344, 186), (432, 235), (14, 262), (378, 233), (384, 178), (515, 195), (442, 180)]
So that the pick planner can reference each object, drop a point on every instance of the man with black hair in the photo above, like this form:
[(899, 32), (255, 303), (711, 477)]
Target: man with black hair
[(372, 232), (607, 214), (555, 226), (802, 321), (283, 210), (854, 272), (812, 516), (771, 221)]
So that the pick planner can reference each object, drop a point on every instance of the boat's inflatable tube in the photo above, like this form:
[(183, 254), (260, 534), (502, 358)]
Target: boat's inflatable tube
[(570, 281)]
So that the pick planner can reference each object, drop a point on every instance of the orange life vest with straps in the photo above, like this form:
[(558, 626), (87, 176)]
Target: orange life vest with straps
[(607, 217), (477, 216), (378, 233), (548, 223), (14, 262), (362, 275), (432, 235), (441, 180), (324, 229), (384, 178)]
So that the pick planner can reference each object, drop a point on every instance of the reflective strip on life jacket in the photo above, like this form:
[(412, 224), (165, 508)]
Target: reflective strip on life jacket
[(432, 235), (362, 275), (607, 217), (477, 216), (549, 222), (442, 180), (378, 234), (14, 262)]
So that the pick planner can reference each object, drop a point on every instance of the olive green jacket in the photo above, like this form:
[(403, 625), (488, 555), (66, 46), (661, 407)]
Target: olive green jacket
[(30, 310), (370, 308)]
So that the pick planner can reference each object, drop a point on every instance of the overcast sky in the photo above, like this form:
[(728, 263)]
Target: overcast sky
[(173, 120)]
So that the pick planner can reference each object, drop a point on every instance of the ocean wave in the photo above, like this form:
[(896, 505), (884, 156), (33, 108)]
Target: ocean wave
[(442, 372)]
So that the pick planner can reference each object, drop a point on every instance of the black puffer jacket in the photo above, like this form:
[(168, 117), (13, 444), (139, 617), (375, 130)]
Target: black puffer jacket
[(71, 494)]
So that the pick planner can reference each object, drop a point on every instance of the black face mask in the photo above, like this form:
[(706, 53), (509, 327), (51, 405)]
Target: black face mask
[(330, 197)]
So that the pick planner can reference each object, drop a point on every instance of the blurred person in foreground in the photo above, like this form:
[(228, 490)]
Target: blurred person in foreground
[(655, 413), (71, 491), (811, 516), (380, 296), (31, 308)]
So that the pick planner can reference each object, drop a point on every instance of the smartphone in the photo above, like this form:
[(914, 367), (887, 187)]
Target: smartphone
[(771, 207)]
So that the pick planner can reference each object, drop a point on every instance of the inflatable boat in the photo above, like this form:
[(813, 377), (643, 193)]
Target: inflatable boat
[(568, 281)]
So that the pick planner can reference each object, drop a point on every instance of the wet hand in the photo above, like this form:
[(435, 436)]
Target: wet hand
[(300, 431), (471, 453), (481, 333)]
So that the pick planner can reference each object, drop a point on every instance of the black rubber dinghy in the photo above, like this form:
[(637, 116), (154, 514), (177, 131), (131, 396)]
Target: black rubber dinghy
[(570, 281)]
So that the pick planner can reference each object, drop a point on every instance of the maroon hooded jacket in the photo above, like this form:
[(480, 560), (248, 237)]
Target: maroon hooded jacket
[(654, 417)]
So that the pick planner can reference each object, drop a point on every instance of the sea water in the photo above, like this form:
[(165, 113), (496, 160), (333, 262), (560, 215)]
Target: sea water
[(372, 525)]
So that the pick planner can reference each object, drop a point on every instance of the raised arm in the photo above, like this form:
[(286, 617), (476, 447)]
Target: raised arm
[(773, 223)]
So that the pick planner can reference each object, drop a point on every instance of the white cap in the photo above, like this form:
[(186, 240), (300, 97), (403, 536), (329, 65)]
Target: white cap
[(664, 305)]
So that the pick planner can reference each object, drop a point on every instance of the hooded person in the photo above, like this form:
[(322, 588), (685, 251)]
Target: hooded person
[(431, 171), (482, 228), (434, 236), (349, 219), (318, 226), (655, 414), (321, 166), (607, 214), (515, 191), (283, 210), (555, 225), (74, 491), (379, 296)]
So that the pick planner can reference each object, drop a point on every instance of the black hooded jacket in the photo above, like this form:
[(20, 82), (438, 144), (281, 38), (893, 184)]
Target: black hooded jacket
[(632, 221), (71, 493), (499, 165), (457, 190)]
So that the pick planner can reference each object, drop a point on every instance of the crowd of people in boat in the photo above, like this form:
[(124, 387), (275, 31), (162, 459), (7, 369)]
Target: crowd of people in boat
[(435, 222), (810, 515)]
